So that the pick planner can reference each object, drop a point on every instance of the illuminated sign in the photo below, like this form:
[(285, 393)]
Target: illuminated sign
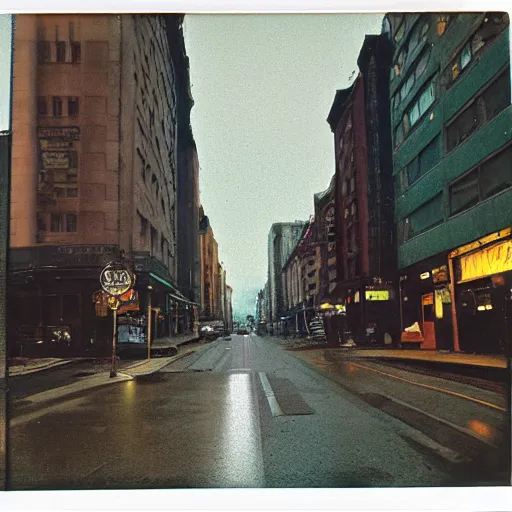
[(116, 279), (326, 305), (377, 294), (440, 275), (486, 262), (424, 276)]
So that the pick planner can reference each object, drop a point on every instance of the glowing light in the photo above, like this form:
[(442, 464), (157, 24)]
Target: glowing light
[(481, 308), (482, 429), (377, 294), (326, 305), (424, 276), (489, 306)]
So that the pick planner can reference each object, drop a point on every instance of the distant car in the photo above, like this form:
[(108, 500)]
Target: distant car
[(242, 331)]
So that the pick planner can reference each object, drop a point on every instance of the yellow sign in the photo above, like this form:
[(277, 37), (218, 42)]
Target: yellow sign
[(377, 294), (486, 262)]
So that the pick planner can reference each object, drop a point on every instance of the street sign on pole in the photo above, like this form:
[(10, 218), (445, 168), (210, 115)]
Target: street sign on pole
[(116, 280)]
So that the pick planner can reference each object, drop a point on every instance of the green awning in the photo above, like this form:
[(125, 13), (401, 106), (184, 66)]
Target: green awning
[(163, 281), (179, 297)]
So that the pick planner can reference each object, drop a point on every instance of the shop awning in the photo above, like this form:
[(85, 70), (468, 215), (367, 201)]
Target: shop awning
[(177, 296)]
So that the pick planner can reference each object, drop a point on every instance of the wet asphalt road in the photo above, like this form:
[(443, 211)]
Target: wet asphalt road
[(211, 420)]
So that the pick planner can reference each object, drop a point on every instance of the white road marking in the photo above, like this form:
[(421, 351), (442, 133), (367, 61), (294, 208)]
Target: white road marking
[(269, 393)]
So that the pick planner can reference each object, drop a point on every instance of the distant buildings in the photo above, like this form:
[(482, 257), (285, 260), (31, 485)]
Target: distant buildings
[(282, 239), (216, 294)]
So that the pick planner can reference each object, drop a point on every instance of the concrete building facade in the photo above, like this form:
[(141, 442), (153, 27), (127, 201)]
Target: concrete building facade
[(94, 169)]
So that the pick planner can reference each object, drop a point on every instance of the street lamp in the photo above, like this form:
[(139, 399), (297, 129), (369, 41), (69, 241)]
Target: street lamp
[(150, 289)]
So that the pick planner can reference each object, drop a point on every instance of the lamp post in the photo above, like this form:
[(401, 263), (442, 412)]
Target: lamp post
[(150, 289)]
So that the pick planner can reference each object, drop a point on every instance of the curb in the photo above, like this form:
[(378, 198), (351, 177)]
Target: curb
[(38, 368), (332, 355), (169, 361)]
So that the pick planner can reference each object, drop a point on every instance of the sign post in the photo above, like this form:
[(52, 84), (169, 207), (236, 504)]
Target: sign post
[(116, 280)]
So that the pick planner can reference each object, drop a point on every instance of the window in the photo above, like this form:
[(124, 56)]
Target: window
[(430, 156), (486, 180), (73, 160), (427, 216), (401, 182), (143, 226), (72, 106), (42, 107), (63, 222), (417, 109), (154, 240), (76, 52), (496, 174), (70, 222), (43, 53), (413, 171), (57, 106), (60, 51), (484, 108), (464, 193), (41, 222), (55, 223), (492, 26), (72, 192), (400, 32)]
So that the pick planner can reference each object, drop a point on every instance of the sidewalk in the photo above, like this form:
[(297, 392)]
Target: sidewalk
[(480, 360), (25, 366), (19, 366), (493, 361)]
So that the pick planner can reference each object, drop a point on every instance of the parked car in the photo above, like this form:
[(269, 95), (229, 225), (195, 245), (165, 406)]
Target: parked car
[(242, 331)]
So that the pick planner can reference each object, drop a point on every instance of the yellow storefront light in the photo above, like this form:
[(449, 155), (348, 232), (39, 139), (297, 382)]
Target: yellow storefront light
[(377, 294), (489, 306), (326, 305), (481, 308)]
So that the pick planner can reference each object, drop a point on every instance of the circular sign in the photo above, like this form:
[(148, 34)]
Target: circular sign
[(116, 279)]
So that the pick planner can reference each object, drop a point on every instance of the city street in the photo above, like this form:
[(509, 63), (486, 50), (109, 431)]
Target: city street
[(246, 413)]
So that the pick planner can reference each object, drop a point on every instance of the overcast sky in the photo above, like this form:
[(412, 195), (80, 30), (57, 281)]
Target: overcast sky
[(263, 86), (5, 76)]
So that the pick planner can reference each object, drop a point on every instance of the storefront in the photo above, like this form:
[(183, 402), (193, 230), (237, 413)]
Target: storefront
[(371, 311), (482, 273), (425, 305)]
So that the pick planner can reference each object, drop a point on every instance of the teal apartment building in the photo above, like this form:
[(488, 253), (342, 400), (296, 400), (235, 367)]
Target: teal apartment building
[(451, 119)]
